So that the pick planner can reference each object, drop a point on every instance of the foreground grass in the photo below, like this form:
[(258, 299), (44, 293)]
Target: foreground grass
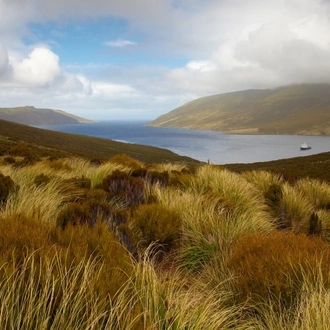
[(127, 245)]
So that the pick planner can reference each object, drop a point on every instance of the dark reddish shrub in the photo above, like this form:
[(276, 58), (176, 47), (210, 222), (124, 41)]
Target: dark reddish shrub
[(21, 149), (95, 162), (9, 160), (84, 212), (6, 186), (154, 177), (81, 182), (124, 187), (41, 179), (139, 173)]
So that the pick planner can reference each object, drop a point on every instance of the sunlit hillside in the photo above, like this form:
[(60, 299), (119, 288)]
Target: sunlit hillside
[(295, 109), (30, 115)]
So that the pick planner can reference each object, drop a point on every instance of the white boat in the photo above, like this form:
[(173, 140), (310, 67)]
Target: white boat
[(305, 146)]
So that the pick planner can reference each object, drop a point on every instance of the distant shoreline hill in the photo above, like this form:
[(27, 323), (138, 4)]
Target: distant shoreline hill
[(29, 115), (302, 109)]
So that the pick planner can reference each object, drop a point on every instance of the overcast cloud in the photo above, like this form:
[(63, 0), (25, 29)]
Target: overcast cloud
[(147, 57)]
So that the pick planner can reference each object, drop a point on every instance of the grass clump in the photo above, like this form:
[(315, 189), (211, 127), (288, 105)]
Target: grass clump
[(155, 224), (126, 161), (275, 266), (296, 209)]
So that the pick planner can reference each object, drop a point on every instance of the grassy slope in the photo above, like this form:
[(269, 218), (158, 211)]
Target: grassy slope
[(56, 143), (296, 109), (51, 143), (314, 166), (33, 116)]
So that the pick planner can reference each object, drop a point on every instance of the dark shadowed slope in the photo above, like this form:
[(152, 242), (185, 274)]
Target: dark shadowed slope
[(56, 143)]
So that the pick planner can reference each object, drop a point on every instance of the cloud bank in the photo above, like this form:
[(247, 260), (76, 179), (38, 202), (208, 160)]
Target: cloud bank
[(185, 49)]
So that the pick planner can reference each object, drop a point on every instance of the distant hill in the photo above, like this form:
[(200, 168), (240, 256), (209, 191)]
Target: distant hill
[(45, 143), (35, 116), (297, 109)]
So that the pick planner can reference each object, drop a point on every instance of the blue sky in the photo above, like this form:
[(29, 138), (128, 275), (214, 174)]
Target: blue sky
[(128, 59)]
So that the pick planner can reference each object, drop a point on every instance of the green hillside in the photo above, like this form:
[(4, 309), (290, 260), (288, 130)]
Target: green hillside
[(49, 143), (34, 116), (297, 109)]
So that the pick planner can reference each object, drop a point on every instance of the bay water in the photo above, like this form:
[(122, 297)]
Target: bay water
[(203, 145)]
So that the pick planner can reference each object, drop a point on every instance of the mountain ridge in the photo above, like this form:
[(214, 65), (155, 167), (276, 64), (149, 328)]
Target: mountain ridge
[(302, 109), (29, 115)]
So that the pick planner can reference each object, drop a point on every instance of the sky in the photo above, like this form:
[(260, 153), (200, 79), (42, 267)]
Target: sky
[(138, 59)]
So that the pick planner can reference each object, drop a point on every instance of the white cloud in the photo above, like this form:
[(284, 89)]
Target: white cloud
[(226, 45), (200, 66), (105, 89), (119, 43), (40, 69)]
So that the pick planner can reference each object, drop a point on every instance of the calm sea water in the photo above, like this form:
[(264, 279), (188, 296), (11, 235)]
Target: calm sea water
[(203, 145)]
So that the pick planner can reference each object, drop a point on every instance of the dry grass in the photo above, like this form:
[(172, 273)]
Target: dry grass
[(297, 209), (263, 180), (189, 287)]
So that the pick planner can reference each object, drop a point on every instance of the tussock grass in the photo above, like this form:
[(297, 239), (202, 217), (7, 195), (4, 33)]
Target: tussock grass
[(211, 220), (263, 180), (324, 218), (297, 208), (241, 203), (311, 312), (33, 298), (37, 202), (317, 192), (169, 167), (97, 174), (170, 302), (189, 224)]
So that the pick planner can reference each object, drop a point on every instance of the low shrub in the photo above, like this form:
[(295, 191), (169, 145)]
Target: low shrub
[(125, 160), (21, 149), (139, 173), (161, 178), (274, 266), (81, 182), (179, 179), (114, 263), (9, 160), (21, 235), (154, 223), (95, 162), (26, 161), (41, 179), (6, 186), (128, 189), (88, 211)]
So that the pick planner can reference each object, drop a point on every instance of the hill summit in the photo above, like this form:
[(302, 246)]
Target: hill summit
[(30, 115), (296, 109)]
